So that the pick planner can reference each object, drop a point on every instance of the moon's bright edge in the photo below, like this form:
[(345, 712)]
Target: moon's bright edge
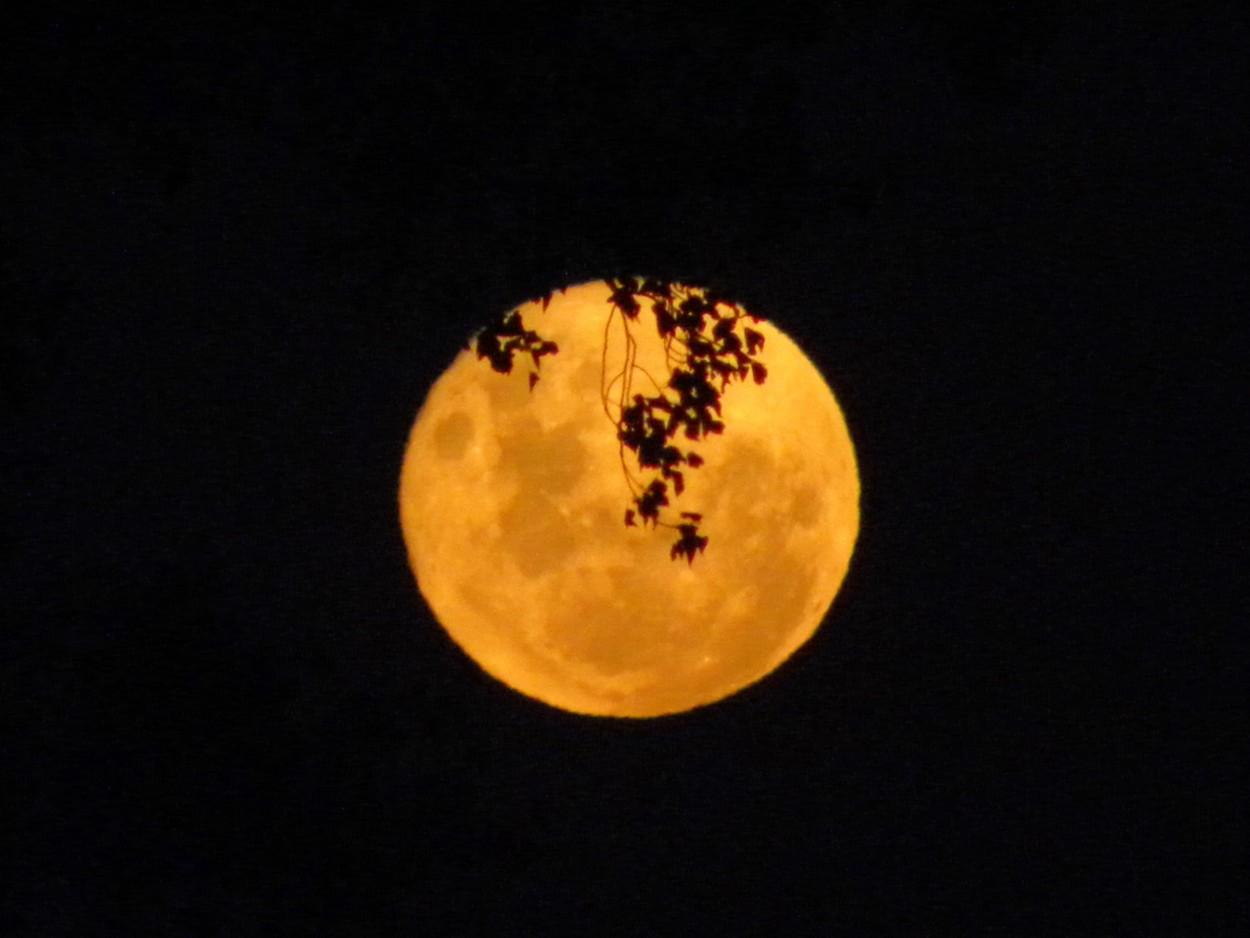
[(512, 505)]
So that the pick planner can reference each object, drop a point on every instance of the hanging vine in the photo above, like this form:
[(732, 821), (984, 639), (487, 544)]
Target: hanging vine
[(707, 346)]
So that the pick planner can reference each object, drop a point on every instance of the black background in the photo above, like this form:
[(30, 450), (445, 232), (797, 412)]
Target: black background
[(237, 251)]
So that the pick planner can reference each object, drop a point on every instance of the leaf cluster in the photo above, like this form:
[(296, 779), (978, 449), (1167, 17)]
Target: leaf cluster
[(705, 351), (505, 336)]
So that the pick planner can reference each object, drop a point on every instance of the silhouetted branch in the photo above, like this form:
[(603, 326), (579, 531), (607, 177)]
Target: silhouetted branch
[(704, 353)]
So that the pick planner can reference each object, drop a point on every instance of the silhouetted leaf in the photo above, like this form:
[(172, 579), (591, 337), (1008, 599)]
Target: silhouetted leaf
[(689, 542), (623, 298), (693, 305), (652, 499)]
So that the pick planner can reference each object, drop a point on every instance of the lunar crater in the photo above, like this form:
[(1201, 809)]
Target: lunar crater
[(453, 435)]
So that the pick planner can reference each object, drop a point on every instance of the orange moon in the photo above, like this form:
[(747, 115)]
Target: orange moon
[(512, 506)]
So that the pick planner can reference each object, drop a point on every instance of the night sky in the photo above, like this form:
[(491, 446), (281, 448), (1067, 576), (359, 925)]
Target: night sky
[(236, 251)]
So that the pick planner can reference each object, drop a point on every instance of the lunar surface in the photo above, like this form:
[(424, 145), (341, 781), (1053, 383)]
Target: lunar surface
[(512, 506)]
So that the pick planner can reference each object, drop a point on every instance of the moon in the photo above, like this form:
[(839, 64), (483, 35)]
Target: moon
[(512, 502)]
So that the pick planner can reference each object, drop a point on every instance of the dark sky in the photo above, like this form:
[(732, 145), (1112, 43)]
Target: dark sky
[(237, 251)]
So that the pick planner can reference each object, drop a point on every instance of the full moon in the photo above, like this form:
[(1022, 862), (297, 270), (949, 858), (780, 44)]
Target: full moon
[(512, 504)]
